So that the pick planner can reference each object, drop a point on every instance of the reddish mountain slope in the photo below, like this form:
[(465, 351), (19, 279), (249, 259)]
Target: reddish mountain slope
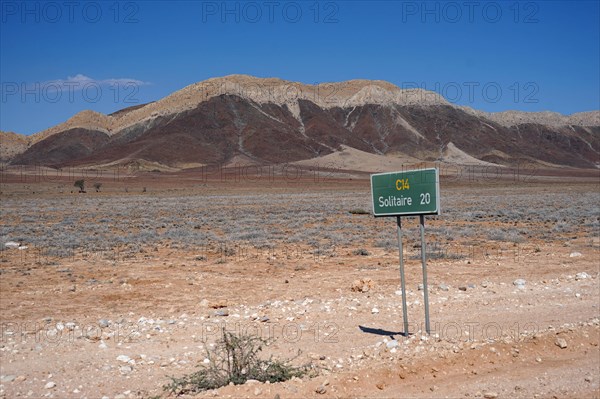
[(206, 124)]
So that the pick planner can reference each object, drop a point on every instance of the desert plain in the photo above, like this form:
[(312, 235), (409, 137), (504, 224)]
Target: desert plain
[(109, 293)]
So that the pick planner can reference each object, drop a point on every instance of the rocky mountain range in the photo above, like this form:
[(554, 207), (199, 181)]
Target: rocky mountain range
[(241, 118)]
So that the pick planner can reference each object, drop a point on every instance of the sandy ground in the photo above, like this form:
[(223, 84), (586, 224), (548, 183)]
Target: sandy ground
[(94, 326)]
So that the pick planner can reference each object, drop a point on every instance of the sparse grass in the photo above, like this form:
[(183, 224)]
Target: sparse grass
[(235, 359), (438, 252), (317, 220)]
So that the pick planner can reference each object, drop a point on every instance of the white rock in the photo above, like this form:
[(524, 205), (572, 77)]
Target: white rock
[(392, 344), (11, 244), (519, 283), (123, 358), (581, 276), (374, 310), (575, 254), (50, 385)]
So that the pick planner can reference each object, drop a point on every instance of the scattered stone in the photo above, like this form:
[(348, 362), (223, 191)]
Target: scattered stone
[(561, 343), (490, 395), (103, 323), (392, 344), (204, 303), (462, 288), (575, 254), (362, 285), (11, 244), (257, 391), (420, 287), (222, 312), (582, 276), (50, 385), (321, 390), (264, 319), (374, 311), (123, 358), (519, 283), (587, 379), (125, 370), (443, 287), (7, 378), (485, 284)]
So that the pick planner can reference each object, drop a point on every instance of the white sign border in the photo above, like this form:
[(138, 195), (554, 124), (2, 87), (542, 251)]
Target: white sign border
[(438, 210)]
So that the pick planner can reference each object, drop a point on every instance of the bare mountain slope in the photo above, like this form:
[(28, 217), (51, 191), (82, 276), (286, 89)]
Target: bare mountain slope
[(12, 144), (273, 121)]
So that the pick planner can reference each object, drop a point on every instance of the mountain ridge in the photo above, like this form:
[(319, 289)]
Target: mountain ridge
[(240, 115)]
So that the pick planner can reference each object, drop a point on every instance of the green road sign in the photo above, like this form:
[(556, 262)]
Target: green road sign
[(412, 192)]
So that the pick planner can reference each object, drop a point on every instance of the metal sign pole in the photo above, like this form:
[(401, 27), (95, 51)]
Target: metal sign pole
[(424, 261), (402, 281)]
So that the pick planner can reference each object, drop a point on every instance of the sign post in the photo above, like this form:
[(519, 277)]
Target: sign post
[(402, 280), (408, 193)]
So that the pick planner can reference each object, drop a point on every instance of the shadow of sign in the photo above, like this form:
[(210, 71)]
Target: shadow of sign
[(379, 331)]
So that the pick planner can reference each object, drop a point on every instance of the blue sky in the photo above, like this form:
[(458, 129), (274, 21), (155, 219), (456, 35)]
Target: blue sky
[(58, 58)]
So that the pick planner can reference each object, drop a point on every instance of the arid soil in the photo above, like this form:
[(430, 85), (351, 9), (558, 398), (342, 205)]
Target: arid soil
[(299, 263)]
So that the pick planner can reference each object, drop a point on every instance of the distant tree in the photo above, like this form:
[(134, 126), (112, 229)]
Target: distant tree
[(81, 185), (97, 186)]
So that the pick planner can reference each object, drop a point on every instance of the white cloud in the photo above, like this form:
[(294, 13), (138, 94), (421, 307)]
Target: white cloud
[(80, 82)]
